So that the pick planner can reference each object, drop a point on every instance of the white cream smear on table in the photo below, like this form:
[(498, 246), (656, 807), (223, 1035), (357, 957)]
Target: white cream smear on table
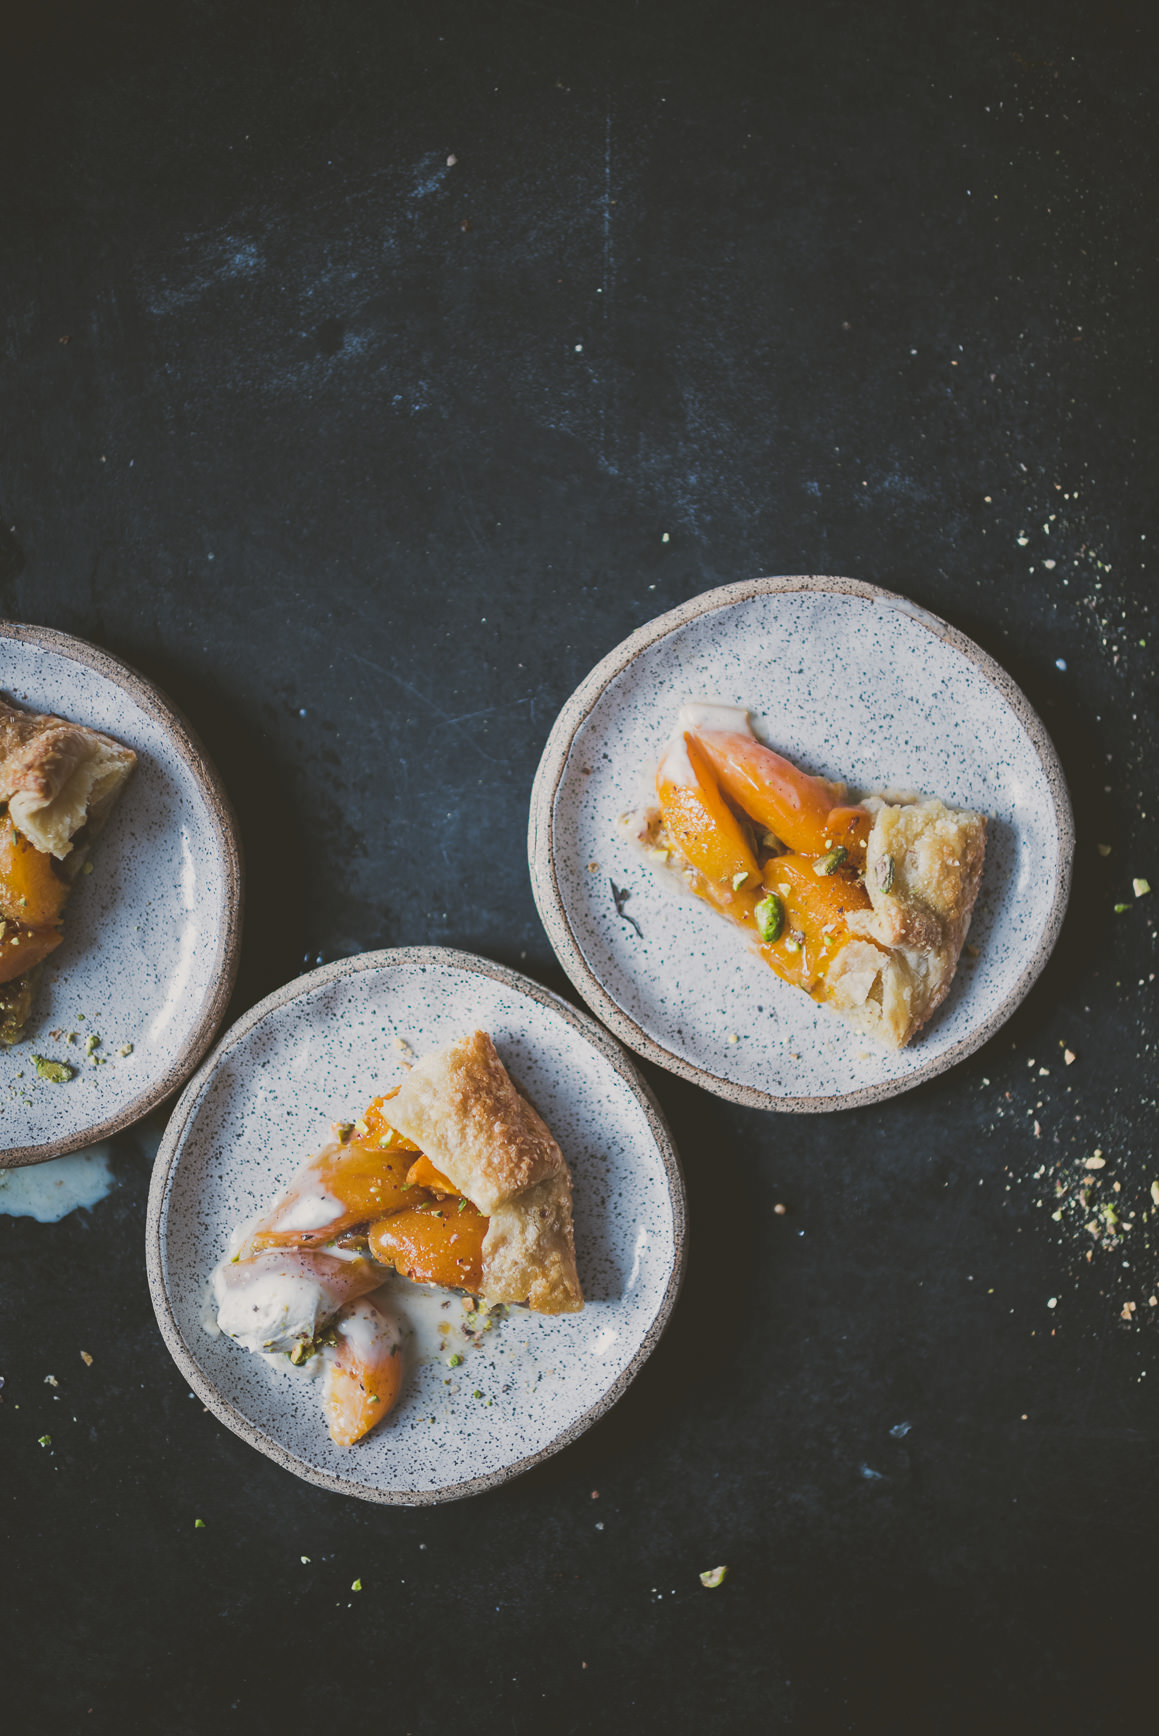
[(49, 1191)]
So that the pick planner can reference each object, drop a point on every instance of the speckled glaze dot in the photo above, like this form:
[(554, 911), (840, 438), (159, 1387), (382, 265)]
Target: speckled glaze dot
[(151, 935), (853, 683), (318, 1051)]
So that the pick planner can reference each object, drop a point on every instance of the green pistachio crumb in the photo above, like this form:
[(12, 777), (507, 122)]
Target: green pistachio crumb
[(883, 873), (46, 1440), (125, 1049), (462, 1205), (199, 1524), (343, 1131), (87, 869), (454, 1361), (1139, 887), (738, 880), (55, 1071), (713, 1577), (1119, 909), (476, 1393), (770, 915), (831, 861), (356, 1585), (92, 1042)]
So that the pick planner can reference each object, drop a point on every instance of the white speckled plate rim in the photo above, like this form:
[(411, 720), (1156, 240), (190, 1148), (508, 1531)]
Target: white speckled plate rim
[(168, 1157), (550, 903), (221, 817)]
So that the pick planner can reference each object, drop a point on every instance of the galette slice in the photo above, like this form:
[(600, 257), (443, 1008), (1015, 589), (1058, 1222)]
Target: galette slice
[(58, 784), (864, 905)]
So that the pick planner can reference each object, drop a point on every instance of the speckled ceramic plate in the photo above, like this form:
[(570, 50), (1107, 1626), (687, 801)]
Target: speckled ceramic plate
[(318, 1051), (151, 935), (853, 683)]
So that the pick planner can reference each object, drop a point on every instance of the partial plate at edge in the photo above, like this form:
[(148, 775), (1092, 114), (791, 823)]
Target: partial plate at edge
[(151, 936)]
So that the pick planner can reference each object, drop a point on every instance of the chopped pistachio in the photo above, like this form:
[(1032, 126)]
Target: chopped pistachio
[(92, 1042), (454, 1361), (738, 880), (712, 1577), (1155, 1192), (87, 869), (770, 915), (125, 1049), (199, 1524), (57, 1072), (1119, 909), (883, 873), (1140, 887), (343, 1131), (356, 1585), (476, 1393), (831, 861), (86, 1358)]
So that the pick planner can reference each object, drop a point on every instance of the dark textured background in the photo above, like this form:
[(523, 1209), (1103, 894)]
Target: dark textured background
[(861, 289)]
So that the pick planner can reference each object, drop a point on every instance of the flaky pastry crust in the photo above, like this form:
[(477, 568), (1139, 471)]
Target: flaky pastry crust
[(58, 777), (461, 1107), (923, 869)]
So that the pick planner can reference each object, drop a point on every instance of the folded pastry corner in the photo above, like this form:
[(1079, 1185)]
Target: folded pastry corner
[(58, 777), (461, 1107)]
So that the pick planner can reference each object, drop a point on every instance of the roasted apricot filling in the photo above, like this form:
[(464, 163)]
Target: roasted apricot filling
[(798, 809), (345, 1185), (814, 926), (729, 807), (31, 890), (21, 947), (439, 1241), (700, 822), (422, 1173)]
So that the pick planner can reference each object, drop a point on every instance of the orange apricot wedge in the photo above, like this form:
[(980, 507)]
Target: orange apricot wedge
[(699, 821), (422, 1173), (21, 947), (796, 808), (815, 925), (362, 1371), (346, 1184), (439, 1242), (31, 891)]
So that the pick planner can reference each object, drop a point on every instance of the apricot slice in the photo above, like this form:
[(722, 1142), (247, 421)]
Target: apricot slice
[(21, 947), (362, 1371), (440, 1242), (422, 1173), (786, 801), (379, 1128), (346, 1184), (699, 821), (815, 926), (31, 892)]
